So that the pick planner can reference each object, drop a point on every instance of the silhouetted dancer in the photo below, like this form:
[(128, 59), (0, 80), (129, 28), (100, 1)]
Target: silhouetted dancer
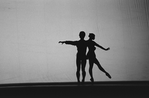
[(81, 54), (92, 56)]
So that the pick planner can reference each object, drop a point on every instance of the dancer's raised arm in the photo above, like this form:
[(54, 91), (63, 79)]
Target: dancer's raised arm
[(69, 42), (101, 47)]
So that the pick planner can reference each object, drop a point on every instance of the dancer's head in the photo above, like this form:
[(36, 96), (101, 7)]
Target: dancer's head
[(82, 34), (91, 36)]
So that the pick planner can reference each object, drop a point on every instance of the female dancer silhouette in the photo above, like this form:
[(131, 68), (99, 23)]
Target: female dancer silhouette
[(92, 57)]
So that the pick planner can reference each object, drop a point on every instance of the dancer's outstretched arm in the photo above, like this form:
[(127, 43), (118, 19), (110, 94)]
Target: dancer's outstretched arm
[(69, 42), (101, 47)]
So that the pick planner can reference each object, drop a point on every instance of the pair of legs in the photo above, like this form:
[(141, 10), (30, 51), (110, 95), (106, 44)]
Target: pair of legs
[(91, 62), (81, 63)]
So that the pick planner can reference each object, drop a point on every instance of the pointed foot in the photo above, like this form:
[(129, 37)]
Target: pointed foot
[(108, 75)]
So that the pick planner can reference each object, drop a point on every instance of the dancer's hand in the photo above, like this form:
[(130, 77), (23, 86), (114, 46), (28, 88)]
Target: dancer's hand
[(108, 48), (62, 42)]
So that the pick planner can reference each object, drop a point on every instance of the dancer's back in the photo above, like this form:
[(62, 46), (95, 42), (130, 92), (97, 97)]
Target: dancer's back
[(91, 49)]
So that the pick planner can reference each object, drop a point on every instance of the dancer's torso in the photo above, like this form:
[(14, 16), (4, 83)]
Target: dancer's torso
[(81, 47), (92, 48)]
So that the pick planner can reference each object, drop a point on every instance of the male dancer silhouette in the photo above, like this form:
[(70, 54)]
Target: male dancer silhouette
[(81, 54), (92, 56)]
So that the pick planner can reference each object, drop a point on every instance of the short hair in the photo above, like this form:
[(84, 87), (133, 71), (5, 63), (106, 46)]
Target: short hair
[(82, 34)]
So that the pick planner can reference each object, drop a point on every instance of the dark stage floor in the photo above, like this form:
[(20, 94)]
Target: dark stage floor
[(121, 89)]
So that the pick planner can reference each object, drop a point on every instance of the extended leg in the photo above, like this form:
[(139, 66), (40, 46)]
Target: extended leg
[(101, 68)]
